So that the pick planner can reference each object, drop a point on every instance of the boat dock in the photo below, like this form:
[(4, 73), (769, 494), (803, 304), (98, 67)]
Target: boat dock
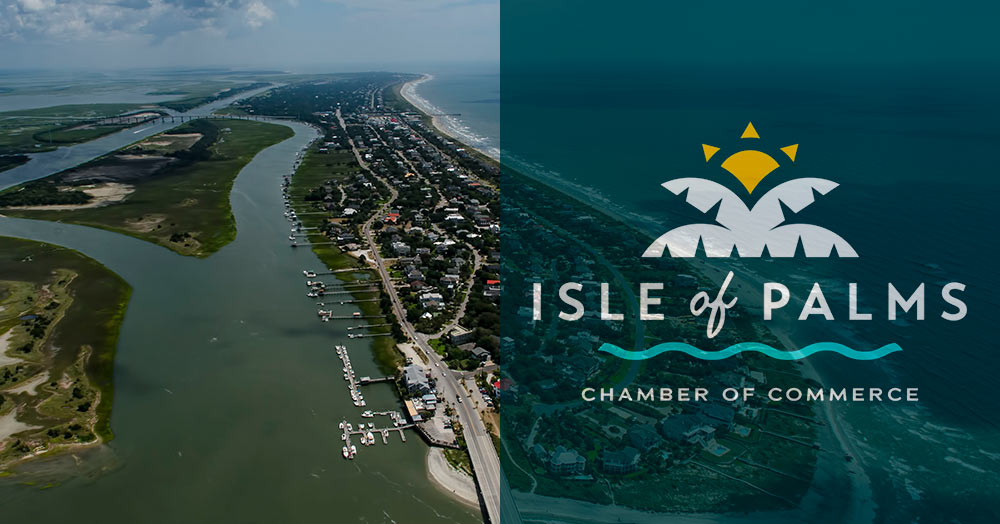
[(353, 385), (332, 271), (366, 432), (368, 335), (368, 326), (369, 290), (368, 380)]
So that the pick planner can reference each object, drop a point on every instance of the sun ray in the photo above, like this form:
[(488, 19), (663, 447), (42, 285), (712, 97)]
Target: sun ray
[(749, 132), (709, 151), (790, 151)]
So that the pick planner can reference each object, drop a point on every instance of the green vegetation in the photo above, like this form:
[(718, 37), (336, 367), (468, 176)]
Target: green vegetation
[(171, 189), (206, 94), (455, 357), (44, 129), (516, 468), (316, 170), (60, 321), (459, 459), (12, 161)]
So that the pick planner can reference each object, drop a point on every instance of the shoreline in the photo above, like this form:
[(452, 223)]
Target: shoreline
[(454, 483), (860, 505), (451, 129)]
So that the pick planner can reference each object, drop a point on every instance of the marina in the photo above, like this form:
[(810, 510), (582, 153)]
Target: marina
[(250, 294), (365, 431), (354, 386)]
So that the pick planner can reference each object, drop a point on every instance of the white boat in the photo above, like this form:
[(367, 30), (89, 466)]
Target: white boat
[(312, 294), (368, 414), (350, 427), (346, 452), (370, 437), (371, 425), (343, 436), (341, 426), (354, 449)]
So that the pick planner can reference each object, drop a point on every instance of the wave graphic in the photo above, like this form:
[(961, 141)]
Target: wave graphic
[(758, 347)]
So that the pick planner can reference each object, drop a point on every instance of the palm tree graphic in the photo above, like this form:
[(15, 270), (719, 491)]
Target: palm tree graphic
[(750, 230)]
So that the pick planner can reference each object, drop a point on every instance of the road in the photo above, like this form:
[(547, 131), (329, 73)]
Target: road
[(485, 460)]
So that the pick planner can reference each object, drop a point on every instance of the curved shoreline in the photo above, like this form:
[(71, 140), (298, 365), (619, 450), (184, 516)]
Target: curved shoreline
[(458, 485), (448, 126)]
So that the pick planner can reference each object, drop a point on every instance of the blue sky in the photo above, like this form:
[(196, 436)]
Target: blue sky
[(286, 34)]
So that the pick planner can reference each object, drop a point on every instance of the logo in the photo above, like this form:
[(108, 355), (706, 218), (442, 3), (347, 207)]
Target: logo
[(747, 231), (750, 230)]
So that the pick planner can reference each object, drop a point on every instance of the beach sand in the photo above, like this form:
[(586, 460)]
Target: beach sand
[(448, 128), (29, 386), (101, 195), (450, 480), (6, 360), (9, 425)]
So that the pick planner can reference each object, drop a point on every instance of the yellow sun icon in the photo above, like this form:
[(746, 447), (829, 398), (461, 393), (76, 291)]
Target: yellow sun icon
[(750, 166)]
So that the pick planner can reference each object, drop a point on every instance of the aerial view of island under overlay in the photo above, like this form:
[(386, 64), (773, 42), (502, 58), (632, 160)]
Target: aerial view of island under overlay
[(265, 261)]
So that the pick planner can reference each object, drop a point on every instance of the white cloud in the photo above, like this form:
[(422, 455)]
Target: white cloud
[(36, 5), (397, 6), (258, 13), (110, 20)]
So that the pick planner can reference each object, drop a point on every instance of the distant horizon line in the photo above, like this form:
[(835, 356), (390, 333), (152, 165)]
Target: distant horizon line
[(339, 67)]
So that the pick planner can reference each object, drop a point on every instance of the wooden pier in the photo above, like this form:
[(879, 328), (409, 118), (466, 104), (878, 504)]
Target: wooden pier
[(352, 384), (369, 335), (431, 441), (365, 428), (368, 326), (368, 380)]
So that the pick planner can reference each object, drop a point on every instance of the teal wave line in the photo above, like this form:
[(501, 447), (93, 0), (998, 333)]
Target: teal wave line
[(758, 347)]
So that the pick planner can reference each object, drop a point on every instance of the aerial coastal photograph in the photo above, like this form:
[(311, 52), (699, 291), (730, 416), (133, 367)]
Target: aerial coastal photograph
[(267, 261), (248, 262)]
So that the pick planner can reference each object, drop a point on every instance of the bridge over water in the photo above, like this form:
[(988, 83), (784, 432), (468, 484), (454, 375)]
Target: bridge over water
[(163, 119)]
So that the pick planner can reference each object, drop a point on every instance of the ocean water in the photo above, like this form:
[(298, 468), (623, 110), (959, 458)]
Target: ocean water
[(911, 150), (468, 100)]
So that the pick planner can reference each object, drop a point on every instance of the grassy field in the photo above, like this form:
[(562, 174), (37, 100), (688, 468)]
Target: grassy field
[(182, 203), (203, 94), (60, 320), (314, 171), (44, 129), (459, 459)]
